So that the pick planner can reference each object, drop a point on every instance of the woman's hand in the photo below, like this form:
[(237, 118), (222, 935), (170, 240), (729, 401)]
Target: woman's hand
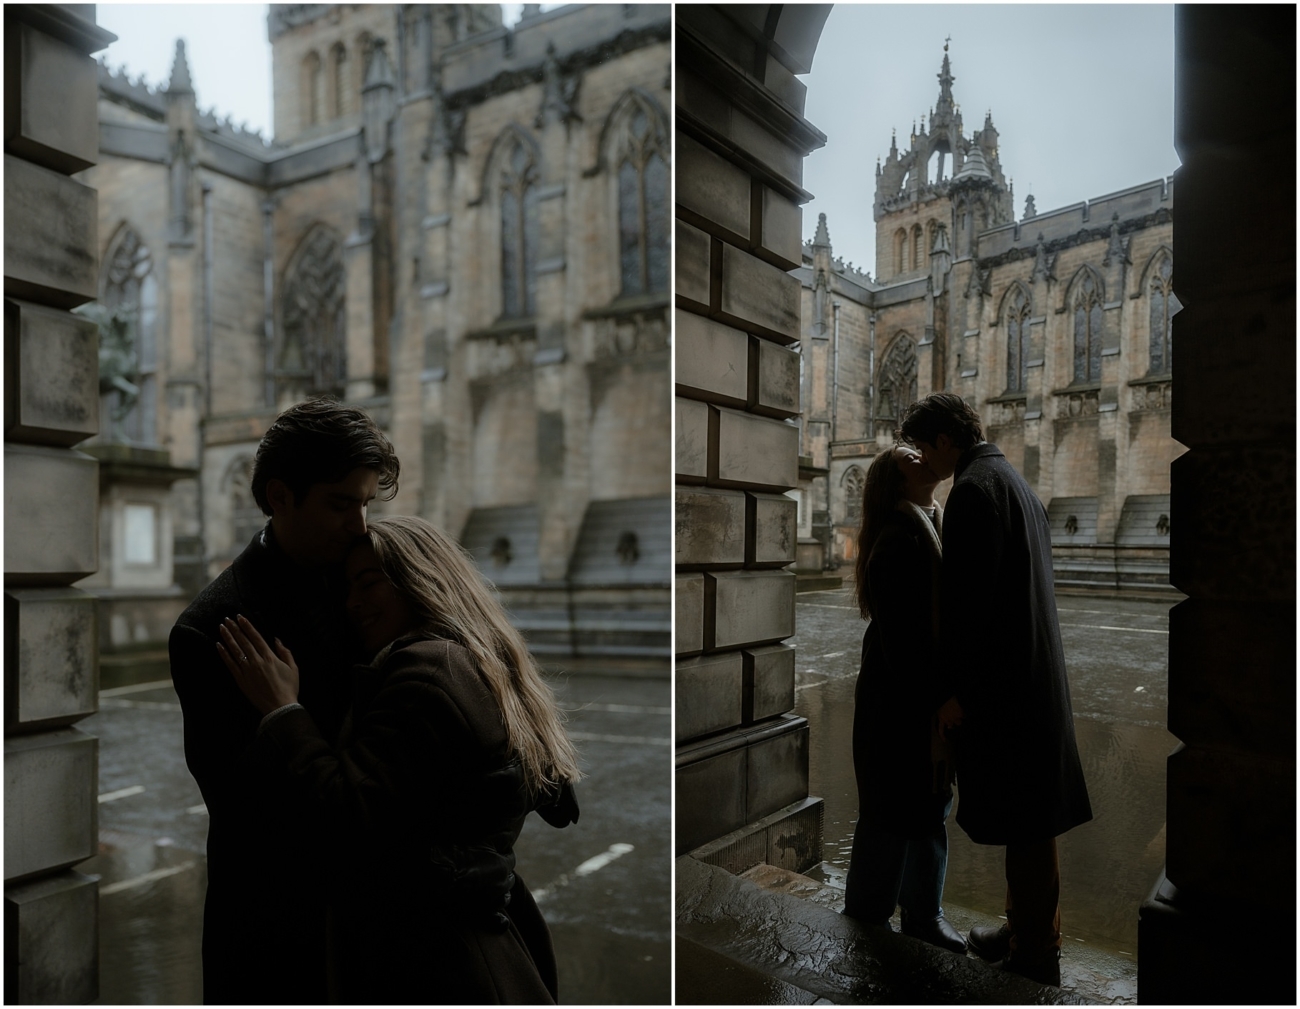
[(950, 716), (268, 678)]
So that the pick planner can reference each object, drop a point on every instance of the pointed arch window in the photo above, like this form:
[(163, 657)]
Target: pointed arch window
[(918, 248), (854, 483), (312, 358), (1164, 304), (641, 156), (900, 250), (128, 342), (517, 192), (313, 88), (897, 381), (1017, 341), (338, 81), (1087, 331)]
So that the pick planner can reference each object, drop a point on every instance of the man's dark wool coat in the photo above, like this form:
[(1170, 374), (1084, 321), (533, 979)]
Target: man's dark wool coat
[(421, 786), (1018, 771), (898, 689), (264, 915)]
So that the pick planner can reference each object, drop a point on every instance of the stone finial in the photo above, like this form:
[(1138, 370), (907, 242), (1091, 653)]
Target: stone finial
[(1116, 248), (1030, 210), (180, 83), (559, 93), (822, 237)]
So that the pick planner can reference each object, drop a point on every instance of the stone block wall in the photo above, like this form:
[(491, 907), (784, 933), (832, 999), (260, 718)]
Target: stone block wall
[(51, 495), (741, 757)]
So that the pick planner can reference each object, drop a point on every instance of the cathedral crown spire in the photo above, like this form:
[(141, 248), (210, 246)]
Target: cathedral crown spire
[(945, 83)]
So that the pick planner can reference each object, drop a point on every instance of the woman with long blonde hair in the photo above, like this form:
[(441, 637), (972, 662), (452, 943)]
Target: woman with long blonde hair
[(453, 738), (900, 845)]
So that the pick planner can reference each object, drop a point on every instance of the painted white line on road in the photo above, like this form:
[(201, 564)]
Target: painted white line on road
[(598, 737), (121, 793), (200, 809), (833, 655), (114, 702), (148, 877), (633, 709), (135, 688), (593, 864), (1103, 627)]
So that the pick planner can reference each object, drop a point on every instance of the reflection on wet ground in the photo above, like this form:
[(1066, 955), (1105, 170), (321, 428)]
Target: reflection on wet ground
[(1116, 652), (603, 884)]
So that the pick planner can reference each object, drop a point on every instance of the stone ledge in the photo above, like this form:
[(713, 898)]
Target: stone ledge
[(804, 953)]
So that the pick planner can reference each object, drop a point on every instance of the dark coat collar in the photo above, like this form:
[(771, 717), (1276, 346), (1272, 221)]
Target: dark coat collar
[(984, 450)]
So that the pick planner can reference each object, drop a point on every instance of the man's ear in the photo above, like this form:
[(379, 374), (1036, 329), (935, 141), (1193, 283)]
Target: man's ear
[(942, 442), (278, 496)]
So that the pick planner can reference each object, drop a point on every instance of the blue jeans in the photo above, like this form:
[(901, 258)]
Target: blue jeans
[(887, 871)]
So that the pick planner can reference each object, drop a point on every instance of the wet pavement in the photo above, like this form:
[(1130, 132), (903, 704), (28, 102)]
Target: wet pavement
[(1116, 654), (603, 884)]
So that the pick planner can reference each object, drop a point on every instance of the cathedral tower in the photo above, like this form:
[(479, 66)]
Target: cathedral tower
[(915, 189)]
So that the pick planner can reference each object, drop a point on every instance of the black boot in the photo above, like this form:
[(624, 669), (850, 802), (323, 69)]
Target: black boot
[(935, 931), (989, 942)]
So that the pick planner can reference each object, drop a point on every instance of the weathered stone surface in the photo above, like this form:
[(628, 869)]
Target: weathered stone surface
[(708, 694), (52, 661), (55, 494), (752, 607), (55, 127), (756, 451), (757, 296), (712, 360), (775, 529), (692, 251), (708, 801), (782, 240), (775, 391), (692, 455), (52, 940), (50, 236), (1231, 824), (50, 801), (710, 526), (770, 679), (52, 358), (777, 771), (688, 613), (713, 188)]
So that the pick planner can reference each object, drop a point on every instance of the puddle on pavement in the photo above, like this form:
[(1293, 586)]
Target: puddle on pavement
[(1108, 866)]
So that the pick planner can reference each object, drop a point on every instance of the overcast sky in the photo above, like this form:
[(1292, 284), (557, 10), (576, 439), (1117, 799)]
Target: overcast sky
[(225, 44), (1082, 97)]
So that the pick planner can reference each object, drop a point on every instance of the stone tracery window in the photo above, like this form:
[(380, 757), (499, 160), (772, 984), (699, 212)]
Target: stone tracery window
[(854, 482), (1017, 341), (1164, 304), (918, 248), (897, 381), (312, 356), (128, 372), (639, 141), (313, 88), (517, 192), (338, 81), (1087, 331), (900, 250)]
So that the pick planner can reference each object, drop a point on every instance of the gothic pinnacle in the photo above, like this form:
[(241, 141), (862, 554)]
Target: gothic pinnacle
[(180, 80)]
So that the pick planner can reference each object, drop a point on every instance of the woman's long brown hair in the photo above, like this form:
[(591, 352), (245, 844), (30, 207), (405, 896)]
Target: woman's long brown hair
[(451, 599), (881, 493)]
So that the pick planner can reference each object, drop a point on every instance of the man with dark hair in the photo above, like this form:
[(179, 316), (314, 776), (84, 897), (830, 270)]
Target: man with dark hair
[(316, 470), (1019, 780)]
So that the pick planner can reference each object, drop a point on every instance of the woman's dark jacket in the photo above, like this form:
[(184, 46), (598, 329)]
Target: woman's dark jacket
[(1018, 770), (898, 690), (419, 794)]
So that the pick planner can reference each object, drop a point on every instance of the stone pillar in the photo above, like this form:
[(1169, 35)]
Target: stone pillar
[(1219, 926), (742, 758), (51, 504)]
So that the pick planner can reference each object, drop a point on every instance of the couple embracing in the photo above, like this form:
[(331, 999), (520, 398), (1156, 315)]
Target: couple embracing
[(963, 675), (369, 734)]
